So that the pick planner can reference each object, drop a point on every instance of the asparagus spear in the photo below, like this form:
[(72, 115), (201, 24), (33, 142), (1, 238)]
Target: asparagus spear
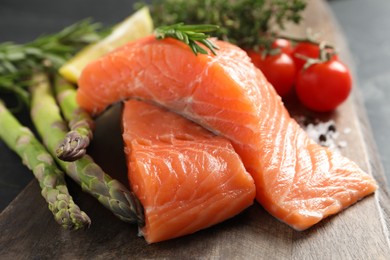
[(21, 140), (81, 125), (112, 194)]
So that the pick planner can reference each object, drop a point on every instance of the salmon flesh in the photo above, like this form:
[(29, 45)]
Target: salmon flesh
[(297, 181)]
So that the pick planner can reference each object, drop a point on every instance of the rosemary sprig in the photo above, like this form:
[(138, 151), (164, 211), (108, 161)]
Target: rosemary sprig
[(247, 23), (190, 35), (18, 62)]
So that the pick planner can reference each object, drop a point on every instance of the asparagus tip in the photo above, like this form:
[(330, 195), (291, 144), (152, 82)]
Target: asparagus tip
[(73, 147)]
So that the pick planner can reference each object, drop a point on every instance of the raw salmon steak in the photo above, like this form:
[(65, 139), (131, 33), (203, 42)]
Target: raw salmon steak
[(297, 181), (186, 178)]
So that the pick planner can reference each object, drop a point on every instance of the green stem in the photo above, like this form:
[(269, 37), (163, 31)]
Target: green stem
[(34, 155), (308, 39), (81, 125), (112, 194)]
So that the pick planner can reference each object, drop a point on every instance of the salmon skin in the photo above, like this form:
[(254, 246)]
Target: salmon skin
[(186, 178), (297, 181)]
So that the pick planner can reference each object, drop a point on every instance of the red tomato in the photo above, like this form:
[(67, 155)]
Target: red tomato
[(324, 86), (283, 44), (307, 49), (279, 70)]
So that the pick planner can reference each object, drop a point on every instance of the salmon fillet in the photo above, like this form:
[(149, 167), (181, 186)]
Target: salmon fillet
[(186, 178), (297, 181)]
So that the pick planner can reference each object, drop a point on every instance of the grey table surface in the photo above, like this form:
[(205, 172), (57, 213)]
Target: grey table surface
[(365, 24)]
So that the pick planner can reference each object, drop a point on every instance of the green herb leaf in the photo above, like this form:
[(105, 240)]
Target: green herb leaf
[(18, 62), (190, 35), (246, 23)]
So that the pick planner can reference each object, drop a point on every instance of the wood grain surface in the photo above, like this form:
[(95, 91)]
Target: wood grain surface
[(28, 231)]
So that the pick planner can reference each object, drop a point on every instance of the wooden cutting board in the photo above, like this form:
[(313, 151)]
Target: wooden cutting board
[(28, 231)]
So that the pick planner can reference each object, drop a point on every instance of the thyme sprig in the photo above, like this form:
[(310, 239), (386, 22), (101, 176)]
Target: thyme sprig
[(190, 35), (246, 23), (18, 62)]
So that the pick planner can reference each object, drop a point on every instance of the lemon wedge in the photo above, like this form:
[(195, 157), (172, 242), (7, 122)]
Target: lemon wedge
[(136, 26)]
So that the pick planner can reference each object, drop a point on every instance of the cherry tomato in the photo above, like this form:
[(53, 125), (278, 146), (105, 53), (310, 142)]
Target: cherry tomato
[(306, 49), (279, 70), (324, 86), (283, 44)]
